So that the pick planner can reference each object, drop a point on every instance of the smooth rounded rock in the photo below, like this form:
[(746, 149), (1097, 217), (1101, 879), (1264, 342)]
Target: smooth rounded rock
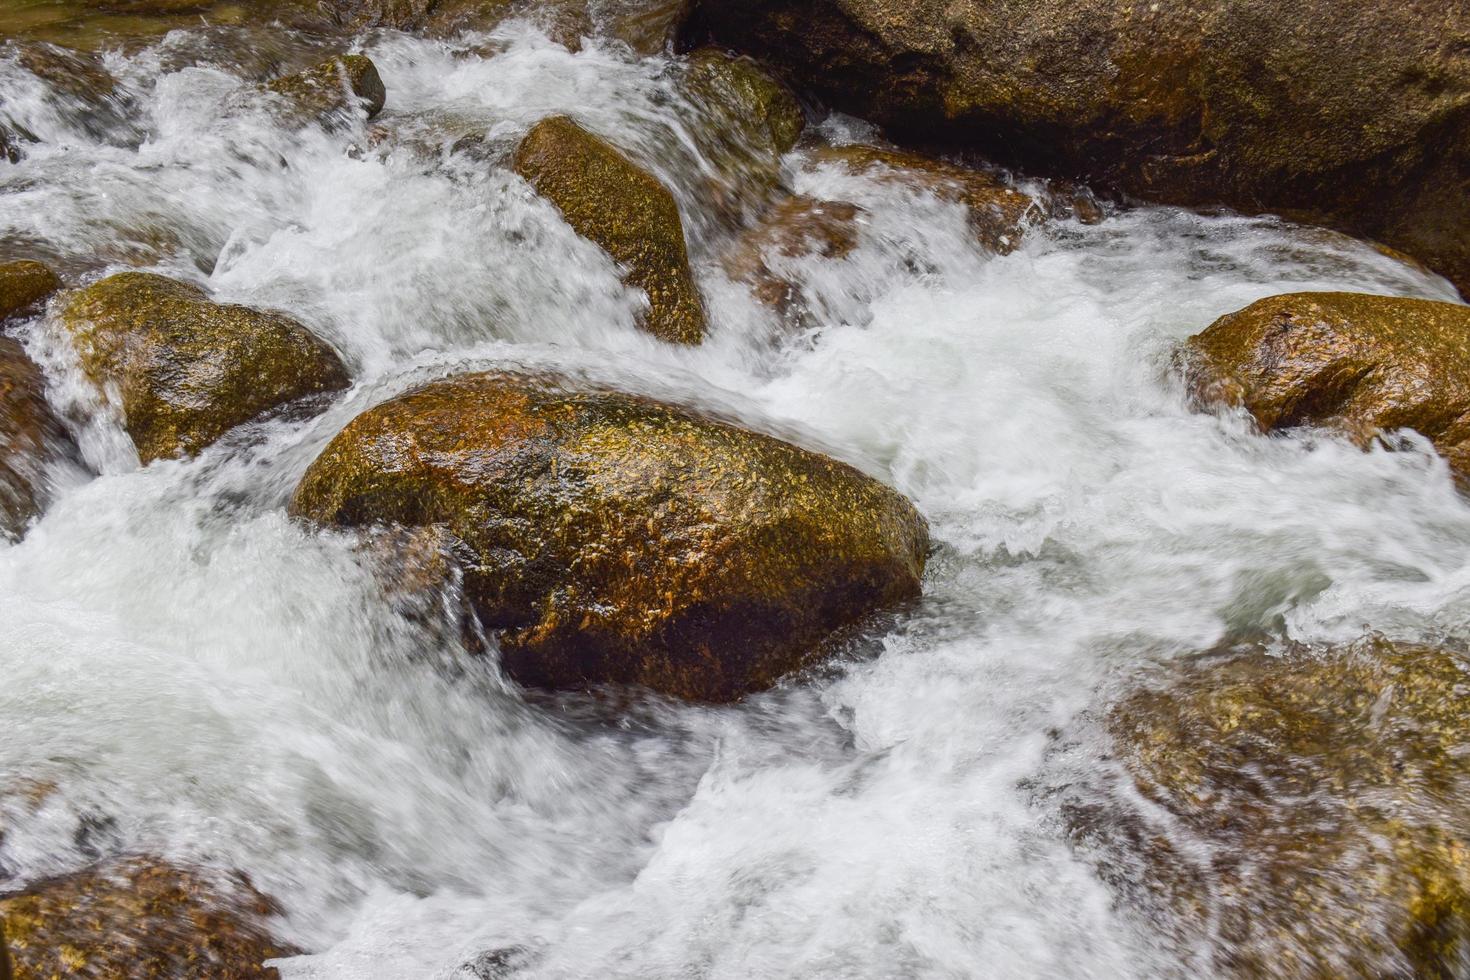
[(611, 538)]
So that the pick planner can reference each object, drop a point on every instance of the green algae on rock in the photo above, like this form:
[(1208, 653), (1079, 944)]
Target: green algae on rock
[(1352, 115), (31, 439), (622, 208), (1312, 808), (186, 369), (331, 87), (612, 538), (23, 285), (1357, 363), (139, 918)]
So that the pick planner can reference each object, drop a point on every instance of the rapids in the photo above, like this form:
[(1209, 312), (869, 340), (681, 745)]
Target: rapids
[(201, 677)]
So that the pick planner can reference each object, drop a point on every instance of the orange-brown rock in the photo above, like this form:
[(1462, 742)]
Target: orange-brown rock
[(611, 538), (186, 369), (332, 87), (23, 285), (142, 919), (611, 201), (1303, 811), (798, 226), (1360, 364), (32, 438)]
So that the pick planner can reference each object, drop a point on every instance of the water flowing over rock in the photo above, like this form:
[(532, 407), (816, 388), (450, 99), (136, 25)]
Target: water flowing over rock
[(625, 210), (23, 285), (1356, 116), (139, 918), (1309, 808), (187, 370), (646, 26), (613, 538), (334, 86), (31, 439), (1357, 363), (798, 226)]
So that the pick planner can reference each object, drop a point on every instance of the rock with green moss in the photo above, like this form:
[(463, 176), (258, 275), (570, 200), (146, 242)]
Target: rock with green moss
[(143, 919), (333, 87), (762, 110), (612, 538), (1356, 363), (32, 440), (1305, 811), (1352, 115), (609, 200), (24, 285), (186, 370)]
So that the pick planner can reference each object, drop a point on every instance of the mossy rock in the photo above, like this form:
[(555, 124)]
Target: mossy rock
[(797, 227), (187, 370), (759, 104), (611, 538), (32, 439), (143, 919), (1310, 808), (1356, 363), (335, 86), (24, 285), (998, 213), (622, 208), (1350, 115)]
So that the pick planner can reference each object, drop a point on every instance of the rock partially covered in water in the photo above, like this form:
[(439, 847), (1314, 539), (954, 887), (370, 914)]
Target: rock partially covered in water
[(32, 438), (758, 105), (646, 26), (24, 285), (613, 538), (1359, 364), (187, 370), (140, 918), (611, 201), (332, 87), (798, 227), (1315, 808), (1352, 115), (998, 213)]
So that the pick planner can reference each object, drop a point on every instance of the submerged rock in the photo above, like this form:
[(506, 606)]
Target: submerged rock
[(139, 918), (24, 285), (32, 438), (1356, 363), (1349, 115), (625, 210), (187, 370), (332, 87), (799, 226), (1311, 812), (612, 538)]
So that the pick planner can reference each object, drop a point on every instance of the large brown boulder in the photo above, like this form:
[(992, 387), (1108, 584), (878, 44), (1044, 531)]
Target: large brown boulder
[(186, 369), (32, 439), (1360, 364), (23, 285), (1304, 812), (139, 918), (1355, 115), (612, 538), (611, 201)]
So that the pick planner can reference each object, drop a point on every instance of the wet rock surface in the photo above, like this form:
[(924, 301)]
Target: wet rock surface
[(32, 439), (186, 369), (609, 200), (139, 918), (799, 226), (332, 87), (1360, 364), (1308, 809), (1355, 117), (24, 285), (613, 538)]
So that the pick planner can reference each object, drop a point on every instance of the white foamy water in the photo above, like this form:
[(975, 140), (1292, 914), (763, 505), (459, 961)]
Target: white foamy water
[(203, 678)]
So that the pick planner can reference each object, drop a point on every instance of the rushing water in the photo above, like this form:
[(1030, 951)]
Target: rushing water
[(203, 678)]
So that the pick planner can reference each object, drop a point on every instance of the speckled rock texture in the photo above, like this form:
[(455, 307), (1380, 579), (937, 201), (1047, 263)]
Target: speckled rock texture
[(185, 369), (612, 538), (332, 87), (1354, 115), (609, 200), (1307, 809), (141, 919), (31, 439), (645, 26), (1356, 363), (24, 285)]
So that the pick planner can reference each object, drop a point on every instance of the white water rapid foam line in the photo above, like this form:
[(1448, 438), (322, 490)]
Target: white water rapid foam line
[(204, 679)]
